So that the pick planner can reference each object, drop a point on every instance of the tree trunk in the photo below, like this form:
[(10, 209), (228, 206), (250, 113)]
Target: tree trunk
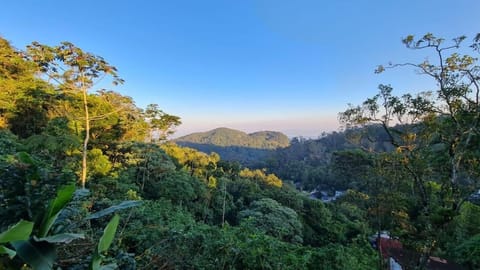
[(87, 137), (224, 199)]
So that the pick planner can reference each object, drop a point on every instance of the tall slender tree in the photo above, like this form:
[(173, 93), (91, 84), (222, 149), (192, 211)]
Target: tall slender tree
[(73, 70)]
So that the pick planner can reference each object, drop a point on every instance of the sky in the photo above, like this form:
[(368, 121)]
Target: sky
[(284, 65)]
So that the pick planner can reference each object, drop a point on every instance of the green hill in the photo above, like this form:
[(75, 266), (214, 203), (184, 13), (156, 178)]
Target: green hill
[(226, 137)]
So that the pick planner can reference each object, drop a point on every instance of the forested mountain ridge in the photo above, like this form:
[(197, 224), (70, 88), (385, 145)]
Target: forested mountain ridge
[(230, 137), (235, 145)]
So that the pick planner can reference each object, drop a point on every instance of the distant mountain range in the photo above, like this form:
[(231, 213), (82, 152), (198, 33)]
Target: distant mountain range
[(235, 145), (226, 137)]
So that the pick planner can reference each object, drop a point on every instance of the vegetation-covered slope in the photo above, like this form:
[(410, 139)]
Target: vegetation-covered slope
[(315, 163), (235, 145), (225, 137)]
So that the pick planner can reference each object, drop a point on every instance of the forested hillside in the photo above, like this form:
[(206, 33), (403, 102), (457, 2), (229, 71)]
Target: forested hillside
[(230, 137), (236, 146), (327, 163), (89, 181), (308, 163)]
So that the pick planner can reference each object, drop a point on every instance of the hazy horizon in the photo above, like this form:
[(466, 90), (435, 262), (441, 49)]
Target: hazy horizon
[(291, 130)]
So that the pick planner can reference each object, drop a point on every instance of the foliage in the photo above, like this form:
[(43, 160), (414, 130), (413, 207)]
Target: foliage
[(468, 252), (306, 162), (433, 169), (38, 248), (196, 163), (351, 168), (161, 124), (334, 256), (18, 232), (230, 137), (100, 165), (25, 186), (269, 216), (259, 175), (73, 70), (246, 156), (104, 243), (180, 189), (24, 99)]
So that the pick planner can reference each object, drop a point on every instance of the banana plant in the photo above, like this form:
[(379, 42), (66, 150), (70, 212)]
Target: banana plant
[(104, 244), (37, 247), (108, 234)]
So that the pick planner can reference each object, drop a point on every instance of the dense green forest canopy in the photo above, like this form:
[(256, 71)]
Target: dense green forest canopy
[(87, 180)]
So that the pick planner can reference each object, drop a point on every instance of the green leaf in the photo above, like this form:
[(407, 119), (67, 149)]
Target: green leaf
[(47, 224), (111, 209), (19, 231), (24, 157), (61, 238), (5, 250), (96, 264), (39, 255), (64, 195), (96, 261), (108, 234), (104, 243), (111, 266)]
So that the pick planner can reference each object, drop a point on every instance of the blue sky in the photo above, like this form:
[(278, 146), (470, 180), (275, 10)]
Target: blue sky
[(251, 64)]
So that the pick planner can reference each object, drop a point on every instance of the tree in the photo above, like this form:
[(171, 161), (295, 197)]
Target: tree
[(457, 98), (260, 175), (162, 124), (25, 101), (197, 163), (435, 134), (274, 219), (350, 168), (72, 69)]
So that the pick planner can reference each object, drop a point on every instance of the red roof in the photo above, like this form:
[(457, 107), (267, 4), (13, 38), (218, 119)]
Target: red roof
[(387, 246), (394, 249)]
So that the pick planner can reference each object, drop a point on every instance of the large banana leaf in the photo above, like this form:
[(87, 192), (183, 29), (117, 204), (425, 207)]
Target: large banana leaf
[(18, 232), (114, 208), (64, 196), (39, 255)]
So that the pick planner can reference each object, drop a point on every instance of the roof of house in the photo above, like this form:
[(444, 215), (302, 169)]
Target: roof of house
[(392, 248)]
